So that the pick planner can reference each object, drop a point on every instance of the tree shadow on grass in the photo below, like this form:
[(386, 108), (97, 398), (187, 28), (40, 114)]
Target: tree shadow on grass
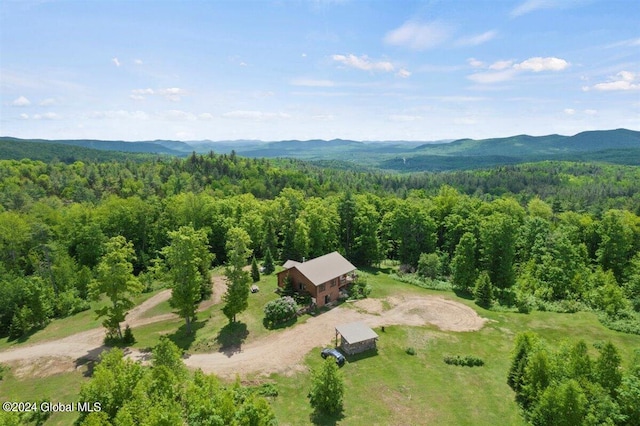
[(463, 294), (90, 360), (376, 270), (362, 355), (325, 419), (184, 340), (285, 324), (231, 337)]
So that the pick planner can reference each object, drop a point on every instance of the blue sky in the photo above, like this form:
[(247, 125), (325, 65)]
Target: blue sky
[(272, 70)]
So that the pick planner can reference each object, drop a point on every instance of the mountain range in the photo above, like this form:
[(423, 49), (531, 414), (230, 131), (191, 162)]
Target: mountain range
[(620, 146)]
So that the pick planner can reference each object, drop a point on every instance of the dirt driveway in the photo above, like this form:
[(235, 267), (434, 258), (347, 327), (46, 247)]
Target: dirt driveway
[(281, 352)]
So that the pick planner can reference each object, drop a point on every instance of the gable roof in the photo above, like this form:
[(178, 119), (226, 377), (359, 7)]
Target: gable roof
[(323, 268), (356, 332)]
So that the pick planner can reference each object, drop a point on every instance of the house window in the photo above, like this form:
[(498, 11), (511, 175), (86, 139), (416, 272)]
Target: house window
[(321, 288), (334, 282), (300, 286)]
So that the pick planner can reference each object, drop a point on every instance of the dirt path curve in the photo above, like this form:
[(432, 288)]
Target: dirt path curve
[(283, 352), (278, 352), (50, 357)]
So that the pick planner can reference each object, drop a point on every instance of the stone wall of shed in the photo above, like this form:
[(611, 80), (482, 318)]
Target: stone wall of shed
[(356, 348)]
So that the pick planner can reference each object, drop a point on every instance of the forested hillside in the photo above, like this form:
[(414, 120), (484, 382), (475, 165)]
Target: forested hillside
[(620, 146), (560, 236)]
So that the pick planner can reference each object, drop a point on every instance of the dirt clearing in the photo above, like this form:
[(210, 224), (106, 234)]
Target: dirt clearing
[(280, 352)]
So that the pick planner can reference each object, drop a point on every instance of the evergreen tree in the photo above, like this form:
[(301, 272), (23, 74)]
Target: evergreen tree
[(463, 266), (607, 368), (561, 405), (269, 268), (255, 272), (327, 388), (498, 233), (237, 296), (483, 291), (347, 214), (524, 347)]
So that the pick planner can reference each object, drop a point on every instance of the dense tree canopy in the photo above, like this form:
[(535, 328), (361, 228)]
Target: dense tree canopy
[(561, 236)]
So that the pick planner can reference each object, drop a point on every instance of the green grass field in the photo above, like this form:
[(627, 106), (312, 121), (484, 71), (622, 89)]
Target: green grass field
[(390, 387)]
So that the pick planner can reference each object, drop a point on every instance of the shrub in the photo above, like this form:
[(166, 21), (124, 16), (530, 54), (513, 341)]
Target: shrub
[(410, 351), (127, 337), (279, 310), (483, 291), (465, 361), (267, 389), (429, 265)]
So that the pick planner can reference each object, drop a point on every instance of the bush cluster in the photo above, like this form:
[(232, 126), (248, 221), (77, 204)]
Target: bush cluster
[(464, 361), (280, 310)]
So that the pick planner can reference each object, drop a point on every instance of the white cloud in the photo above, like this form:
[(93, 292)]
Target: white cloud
[(138, 61), (47, 102), (505, 70), (492, 77), (46, 116), (324, 117), (206, 116), (177, 115), (475, 63), (533, 5), (24, 116), (403, 73), (172, 94), (21, 102), (116, 61), (118, 114), (538, 64), (255, 115), (622, 81), (591, 111), (404, 118), (500, 65), (419, 36), (309, 82), (477, 39), (363, 63), (569, 111)]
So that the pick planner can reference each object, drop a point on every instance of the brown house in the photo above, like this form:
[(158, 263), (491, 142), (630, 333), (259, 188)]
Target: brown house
[(322, 277)]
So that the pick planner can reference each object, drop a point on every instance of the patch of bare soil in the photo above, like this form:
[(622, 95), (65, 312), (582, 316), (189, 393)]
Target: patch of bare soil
[(280, 352), (283, 352)]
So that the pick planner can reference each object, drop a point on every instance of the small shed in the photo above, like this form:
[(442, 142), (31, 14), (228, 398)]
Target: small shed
[(356, 337)]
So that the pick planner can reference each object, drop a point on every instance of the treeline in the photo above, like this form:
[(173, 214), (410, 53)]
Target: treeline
[(535, 254), (567, 386)]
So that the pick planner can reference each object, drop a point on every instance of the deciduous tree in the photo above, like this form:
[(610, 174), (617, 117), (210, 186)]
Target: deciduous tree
[(188, 260), (237, 296), (115, 280)]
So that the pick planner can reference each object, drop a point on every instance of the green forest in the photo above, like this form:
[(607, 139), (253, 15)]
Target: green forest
[(536, 237)]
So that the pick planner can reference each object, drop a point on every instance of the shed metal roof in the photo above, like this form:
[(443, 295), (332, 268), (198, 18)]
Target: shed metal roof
[(323, 268), (356, 332)]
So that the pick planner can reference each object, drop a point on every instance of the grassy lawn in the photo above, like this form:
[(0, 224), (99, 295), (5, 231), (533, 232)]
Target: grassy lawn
[(390, 387), (212, 329), (393, 387), (62, 388), (63, 327)]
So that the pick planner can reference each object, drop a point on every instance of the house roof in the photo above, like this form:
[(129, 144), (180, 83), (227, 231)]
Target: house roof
[(356, 332), (323, 268)]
